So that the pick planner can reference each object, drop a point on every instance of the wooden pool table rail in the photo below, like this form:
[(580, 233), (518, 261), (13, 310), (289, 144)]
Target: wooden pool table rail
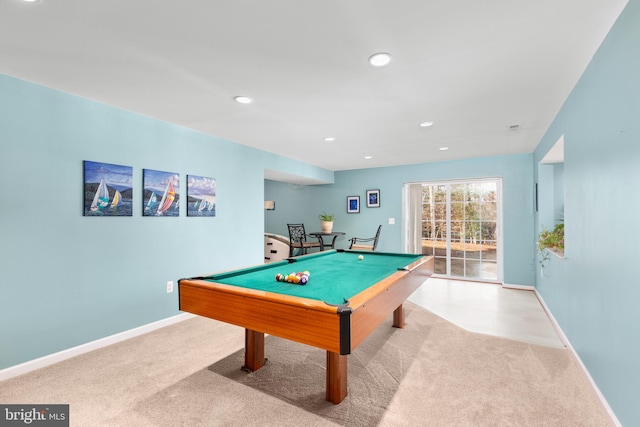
[(302, 320)]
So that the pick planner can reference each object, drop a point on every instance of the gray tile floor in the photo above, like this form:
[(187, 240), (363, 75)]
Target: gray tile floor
[(489, 309)]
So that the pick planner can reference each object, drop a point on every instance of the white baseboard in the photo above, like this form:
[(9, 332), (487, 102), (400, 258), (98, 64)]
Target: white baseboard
[(32, 365), (573, 353), (522, 287)]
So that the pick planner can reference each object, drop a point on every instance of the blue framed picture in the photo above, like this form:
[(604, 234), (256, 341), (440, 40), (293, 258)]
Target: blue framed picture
[(161, 193), (108, 189), (201, 196), (373, 198), (353, 204)]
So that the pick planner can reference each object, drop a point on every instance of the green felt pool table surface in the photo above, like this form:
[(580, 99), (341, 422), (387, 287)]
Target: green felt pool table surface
[(335, 276)]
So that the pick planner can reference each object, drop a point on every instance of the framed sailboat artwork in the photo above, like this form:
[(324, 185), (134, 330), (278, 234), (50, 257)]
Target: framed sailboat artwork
[(201, 196), (108, 189), (161, 193)]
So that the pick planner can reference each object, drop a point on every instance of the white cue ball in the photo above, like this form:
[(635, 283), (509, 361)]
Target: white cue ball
[(360, 257)]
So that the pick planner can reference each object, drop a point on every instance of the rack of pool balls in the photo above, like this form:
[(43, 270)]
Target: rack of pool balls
[(299, 278)]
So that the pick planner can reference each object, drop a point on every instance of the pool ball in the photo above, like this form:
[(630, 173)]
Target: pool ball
[(360, 257)]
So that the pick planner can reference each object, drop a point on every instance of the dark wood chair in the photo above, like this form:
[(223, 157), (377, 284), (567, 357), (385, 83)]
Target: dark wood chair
[(298, 239), (365, 244)]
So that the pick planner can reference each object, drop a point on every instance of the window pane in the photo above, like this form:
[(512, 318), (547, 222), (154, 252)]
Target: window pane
[(428, 230), (488, 211), (472, 211), (472, 250), (440, 265), (488, 230), (474, 193), (457, 211), (489, 250), (439, 211), (457, 230), (440, 193), (472, 231), (440, 230), (457, 267), (427, 248), (427, 195), (457, 248), (458, 193)]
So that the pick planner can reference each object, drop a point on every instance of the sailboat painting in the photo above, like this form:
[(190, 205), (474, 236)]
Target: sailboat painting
[(161, 193), (108, 189), (201, 196)]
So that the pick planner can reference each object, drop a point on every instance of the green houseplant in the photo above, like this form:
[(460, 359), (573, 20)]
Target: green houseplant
[(326, 217), (551, 241), (326, 222)]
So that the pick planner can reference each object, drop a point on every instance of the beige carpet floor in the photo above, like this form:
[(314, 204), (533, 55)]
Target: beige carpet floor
[(431, 373)]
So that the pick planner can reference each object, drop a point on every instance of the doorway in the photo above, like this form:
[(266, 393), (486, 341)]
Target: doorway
[(459, 223)]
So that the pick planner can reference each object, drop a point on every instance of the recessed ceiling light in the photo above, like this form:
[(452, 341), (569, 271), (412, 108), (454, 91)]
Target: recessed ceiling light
[(426, 124), (380, 59), (329, 139), (243, 99), (368, 157), (443, 148)]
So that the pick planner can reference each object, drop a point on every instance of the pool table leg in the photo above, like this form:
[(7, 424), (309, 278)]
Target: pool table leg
[(336, 377), (253, 350), (398, 317)]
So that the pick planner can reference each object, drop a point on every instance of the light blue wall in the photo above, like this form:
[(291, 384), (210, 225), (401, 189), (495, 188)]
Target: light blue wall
[(550, 195), (302, 204), (594, 293), (66, 279)]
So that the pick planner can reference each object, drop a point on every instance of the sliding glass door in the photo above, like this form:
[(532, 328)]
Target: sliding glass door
[(458, 222)]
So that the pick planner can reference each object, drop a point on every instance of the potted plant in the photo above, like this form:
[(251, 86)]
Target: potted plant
[(326, 222), (552, 241)]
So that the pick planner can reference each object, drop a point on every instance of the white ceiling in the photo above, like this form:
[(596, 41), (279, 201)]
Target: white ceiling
[(472, 67)]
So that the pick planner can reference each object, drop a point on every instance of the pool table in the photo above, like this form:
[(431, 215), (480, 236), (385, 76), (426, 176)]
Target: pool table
[(345, 299)]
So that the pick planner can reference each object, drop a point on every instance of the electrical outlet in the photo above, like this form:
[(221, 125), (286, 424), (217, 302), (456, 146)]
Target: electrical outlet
[(392, 221), (170, 286)]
